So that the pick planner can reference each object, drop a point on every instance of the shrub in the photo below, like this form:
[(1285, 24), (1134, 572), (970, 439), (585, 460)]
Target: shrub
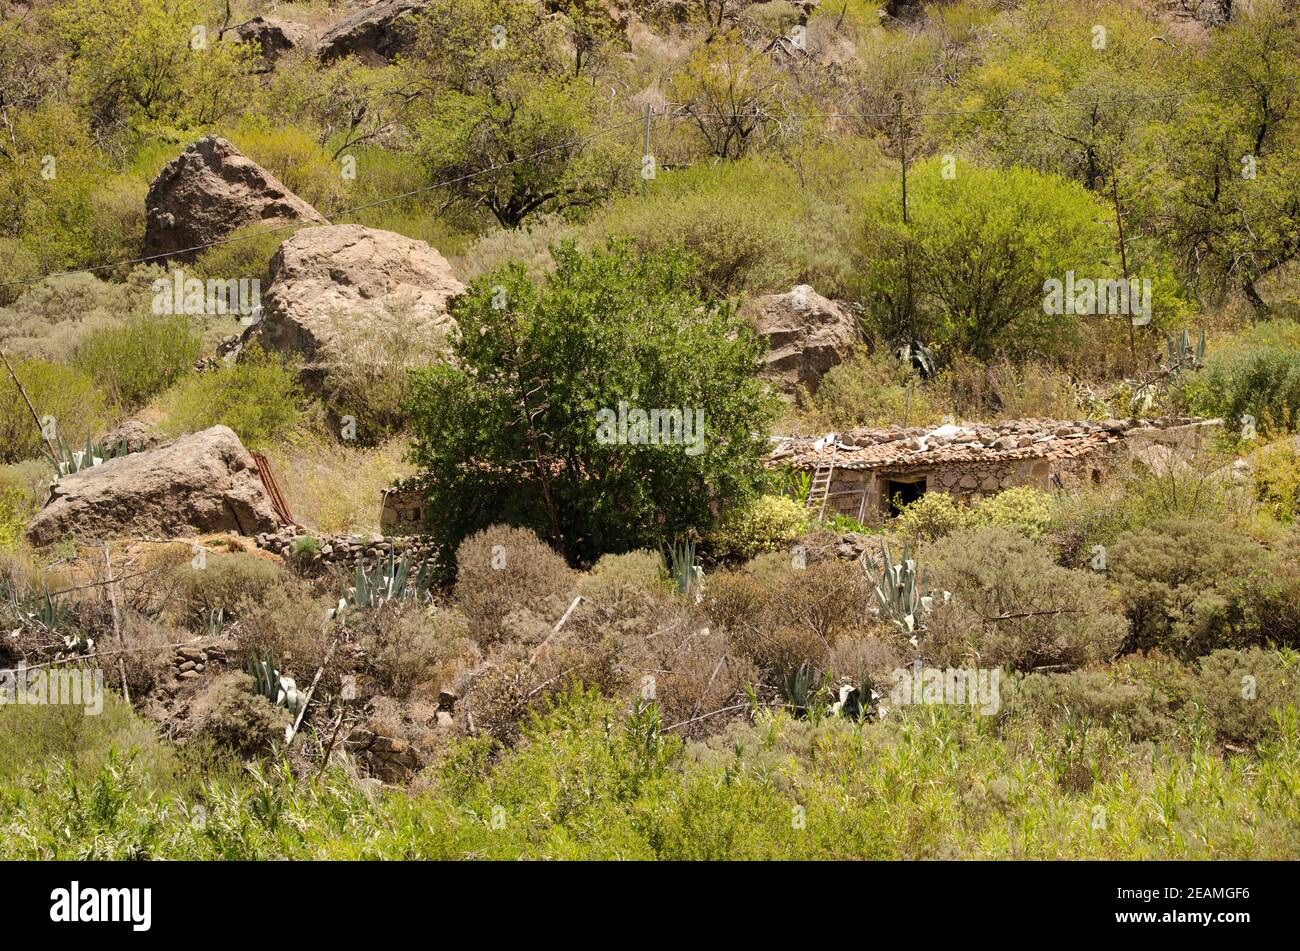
[(933, 516), (870, 389), (624, 583), (1012, 605), (1277, 480), (367, 369), (936, 515), (1025, 509), (1242, 693), (782, 617), (1256, 374), (1108, 698), (409, 647), (222, 583), (70, 396), (510, 584), (258, 397), (23, 488), (137, 360), (746, 222), (231, 715), (1190, 587), (769, 523)]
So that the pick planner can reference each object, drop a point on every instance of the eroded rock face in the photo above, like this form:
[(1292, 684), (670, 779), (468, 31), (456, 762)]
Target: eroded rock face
[(273, 37), (806, 334), (210, 191), (374, 33), (332, 284), (201, 483)]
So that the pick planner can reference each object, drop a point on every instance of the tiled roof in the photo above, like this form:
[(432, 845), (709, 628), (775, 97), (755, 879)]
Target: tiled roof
[(955, 444)]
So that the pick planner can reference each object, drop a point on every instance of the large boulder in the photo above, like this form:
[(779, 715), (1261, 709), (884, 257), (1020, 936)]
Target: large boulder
[(373, 34), (338, 282), (205, 482), (273, 37), (209, 191), (806, 335)]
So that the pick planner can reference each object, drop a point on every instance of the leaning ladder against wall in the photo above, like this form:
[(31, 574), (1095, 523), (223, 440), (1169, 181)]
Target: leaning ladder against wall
[(820, 489)]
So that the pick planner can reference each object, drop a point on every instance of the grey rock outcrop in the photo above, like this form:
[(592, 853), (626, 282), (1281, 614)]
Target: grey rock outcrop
[(210, 191), (806, 333), (373, 34), (332, 284), (204, 482)]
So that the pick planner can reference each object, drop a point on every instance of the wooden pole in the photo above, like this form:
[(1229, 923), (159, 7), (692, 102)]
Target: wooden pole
[(645, 183), (1123, 262), (54, 456), (117, 625)]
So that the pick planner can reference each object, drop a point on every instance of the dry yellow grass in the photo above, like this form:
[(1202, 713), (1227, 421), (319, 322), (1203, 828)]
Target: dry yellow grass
[(334, 488)]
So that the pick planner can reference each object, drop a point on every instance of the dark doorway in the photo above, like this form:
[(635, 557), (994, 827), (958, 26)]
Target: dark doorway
[(900, 492)]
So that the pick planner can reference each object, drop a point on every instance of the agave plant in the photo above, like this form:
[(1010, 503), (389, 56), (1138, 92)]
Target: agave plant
[(1180, 353), (802, 686), (390, 579), (685, 572), (280, 690), (899, 590), (919, 357), (68, 460)]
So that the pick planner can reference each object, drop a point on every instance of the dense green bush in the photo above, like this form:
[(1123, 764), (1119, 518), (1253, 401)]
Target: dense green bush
[(769, 523), (935, 515), (575, 466), (258, 397), (1189, 587), (78, 407), (1013, 605), (1256, 374), (137, 360), (752, 226)]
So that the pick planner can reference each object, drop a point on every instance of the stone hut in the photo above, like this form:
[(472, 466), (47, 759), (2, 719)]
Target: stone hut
[(869, 471), (401, 508)]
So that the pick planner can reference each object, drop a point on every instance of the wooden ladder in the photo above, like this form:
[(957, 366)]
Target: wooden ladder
[(820, 489)]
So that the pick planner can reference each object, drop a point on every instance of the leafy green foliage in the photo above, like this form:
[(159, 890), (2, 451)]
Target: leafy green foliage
[(505, 435), (140, 359), (258, 397), (770, 523), (499, 102), (1012, 605), (78, 407), (1256, 374), (1189, 587)]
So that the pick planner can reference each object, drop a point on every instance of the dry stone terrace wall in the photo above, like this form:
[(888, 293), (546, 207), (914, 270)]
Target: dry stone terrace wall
[(345, 550)]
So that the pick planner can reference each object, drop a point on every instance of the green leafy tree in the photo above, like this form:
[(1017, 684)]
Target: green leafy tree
[(1221, 177), (154, 62), (968, 270), (516, 427), (502, 117)]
